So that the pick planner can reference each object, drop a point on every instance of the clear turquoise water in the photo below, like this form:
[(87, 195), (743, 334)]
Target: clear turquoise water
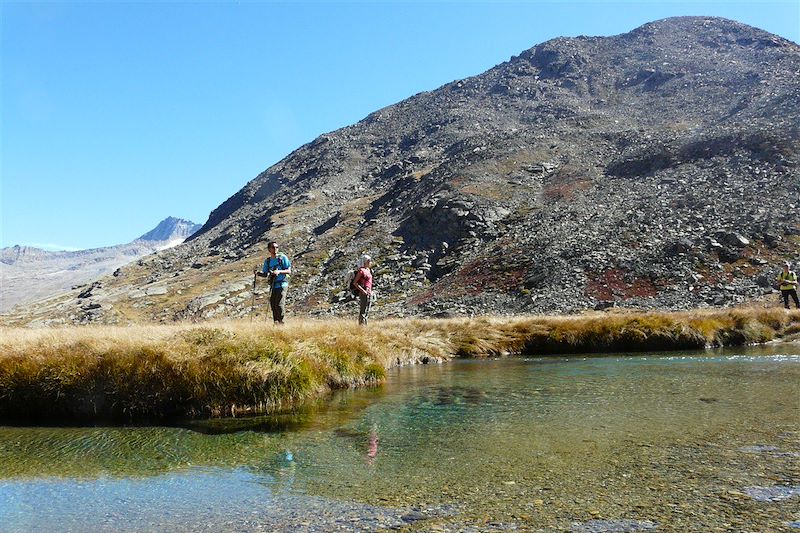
[(672, 441)]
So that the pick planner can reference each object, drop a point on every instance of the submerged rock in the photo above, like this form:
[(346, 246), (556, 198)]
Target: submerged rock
[(613, 526), (772, 494), (759, 448)]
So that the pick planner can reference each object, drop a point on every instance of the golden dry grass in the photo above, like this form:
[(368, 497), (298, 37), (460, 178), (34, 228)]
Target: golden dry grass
[(142, 372), (230, 367)]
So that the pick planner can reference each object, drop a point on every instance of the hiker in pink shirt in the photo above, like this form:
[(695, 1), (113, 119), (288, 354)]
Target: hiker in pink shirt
[(363, 284)]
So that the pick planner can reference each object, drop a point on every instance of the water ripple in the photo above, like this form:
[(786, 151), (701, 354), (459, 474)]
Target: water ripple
[(188, 502)]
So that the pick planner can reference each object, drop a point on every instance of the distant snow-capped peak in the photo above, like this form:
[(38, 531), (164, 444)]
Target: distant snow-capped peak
[(171, 229)]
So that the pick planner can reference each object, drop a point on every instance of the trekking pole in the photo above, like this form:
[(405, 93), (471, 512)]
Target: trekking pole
[(253, 300)]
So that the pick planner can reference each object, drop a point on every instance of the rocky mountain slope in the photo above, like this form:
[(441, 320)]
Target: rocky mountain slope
[(29, 274), (654, 169)]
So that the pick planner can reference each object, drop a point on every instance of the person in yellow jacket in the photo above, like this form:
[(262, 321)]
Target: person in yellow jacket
[(788, 285)]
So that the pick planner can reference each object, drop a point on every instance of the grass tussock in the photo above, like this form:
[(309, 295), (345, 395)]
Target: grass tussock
[(133, 373), (142, 373)]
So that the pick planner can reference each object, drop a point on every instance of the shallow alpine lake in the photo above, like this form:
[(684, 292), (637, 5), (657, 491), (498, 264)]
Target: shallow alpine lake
[(666, 442)]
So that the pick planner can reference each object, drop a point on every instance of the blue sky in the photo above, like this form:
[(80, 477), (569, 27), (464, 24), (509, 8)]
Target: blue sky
[(116, 115)]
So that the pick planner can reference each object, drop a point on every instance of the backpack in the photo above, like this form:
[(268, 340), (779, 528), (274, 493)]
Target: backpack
[(351, 282)]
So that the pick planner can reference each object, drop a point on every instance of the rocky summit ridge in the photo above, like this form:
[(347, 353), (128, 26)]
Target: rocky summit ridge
[(171, 229), (653, 169)]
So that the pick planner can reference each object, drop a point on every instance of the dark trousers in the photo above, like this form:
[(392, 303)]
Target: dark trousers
[(364, 304), (277, 301), (791, 292)]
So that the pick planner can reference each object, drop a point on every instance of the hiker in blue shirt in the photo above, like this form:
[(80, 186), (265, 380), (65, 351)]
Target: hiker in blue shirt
[(276, 269)]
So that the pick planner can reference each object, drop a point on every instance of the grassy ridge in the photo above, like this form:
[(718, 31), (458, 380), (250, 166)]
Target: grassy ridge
[(223, 368)]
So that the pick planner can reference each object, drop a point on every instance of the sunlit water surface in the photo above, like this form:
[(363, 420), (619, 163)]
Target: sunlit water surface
[(686, 442)]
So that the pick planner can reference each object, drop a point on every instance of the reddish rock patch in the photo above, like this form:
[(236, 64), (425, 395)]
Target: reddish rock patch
[(612, 285)]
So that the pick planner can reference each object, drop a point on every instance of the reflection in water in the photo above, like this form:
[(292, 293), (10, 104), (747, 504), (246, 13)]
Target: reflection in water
[(372, 449), (292, 421), (535, 443), (285, 471)]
